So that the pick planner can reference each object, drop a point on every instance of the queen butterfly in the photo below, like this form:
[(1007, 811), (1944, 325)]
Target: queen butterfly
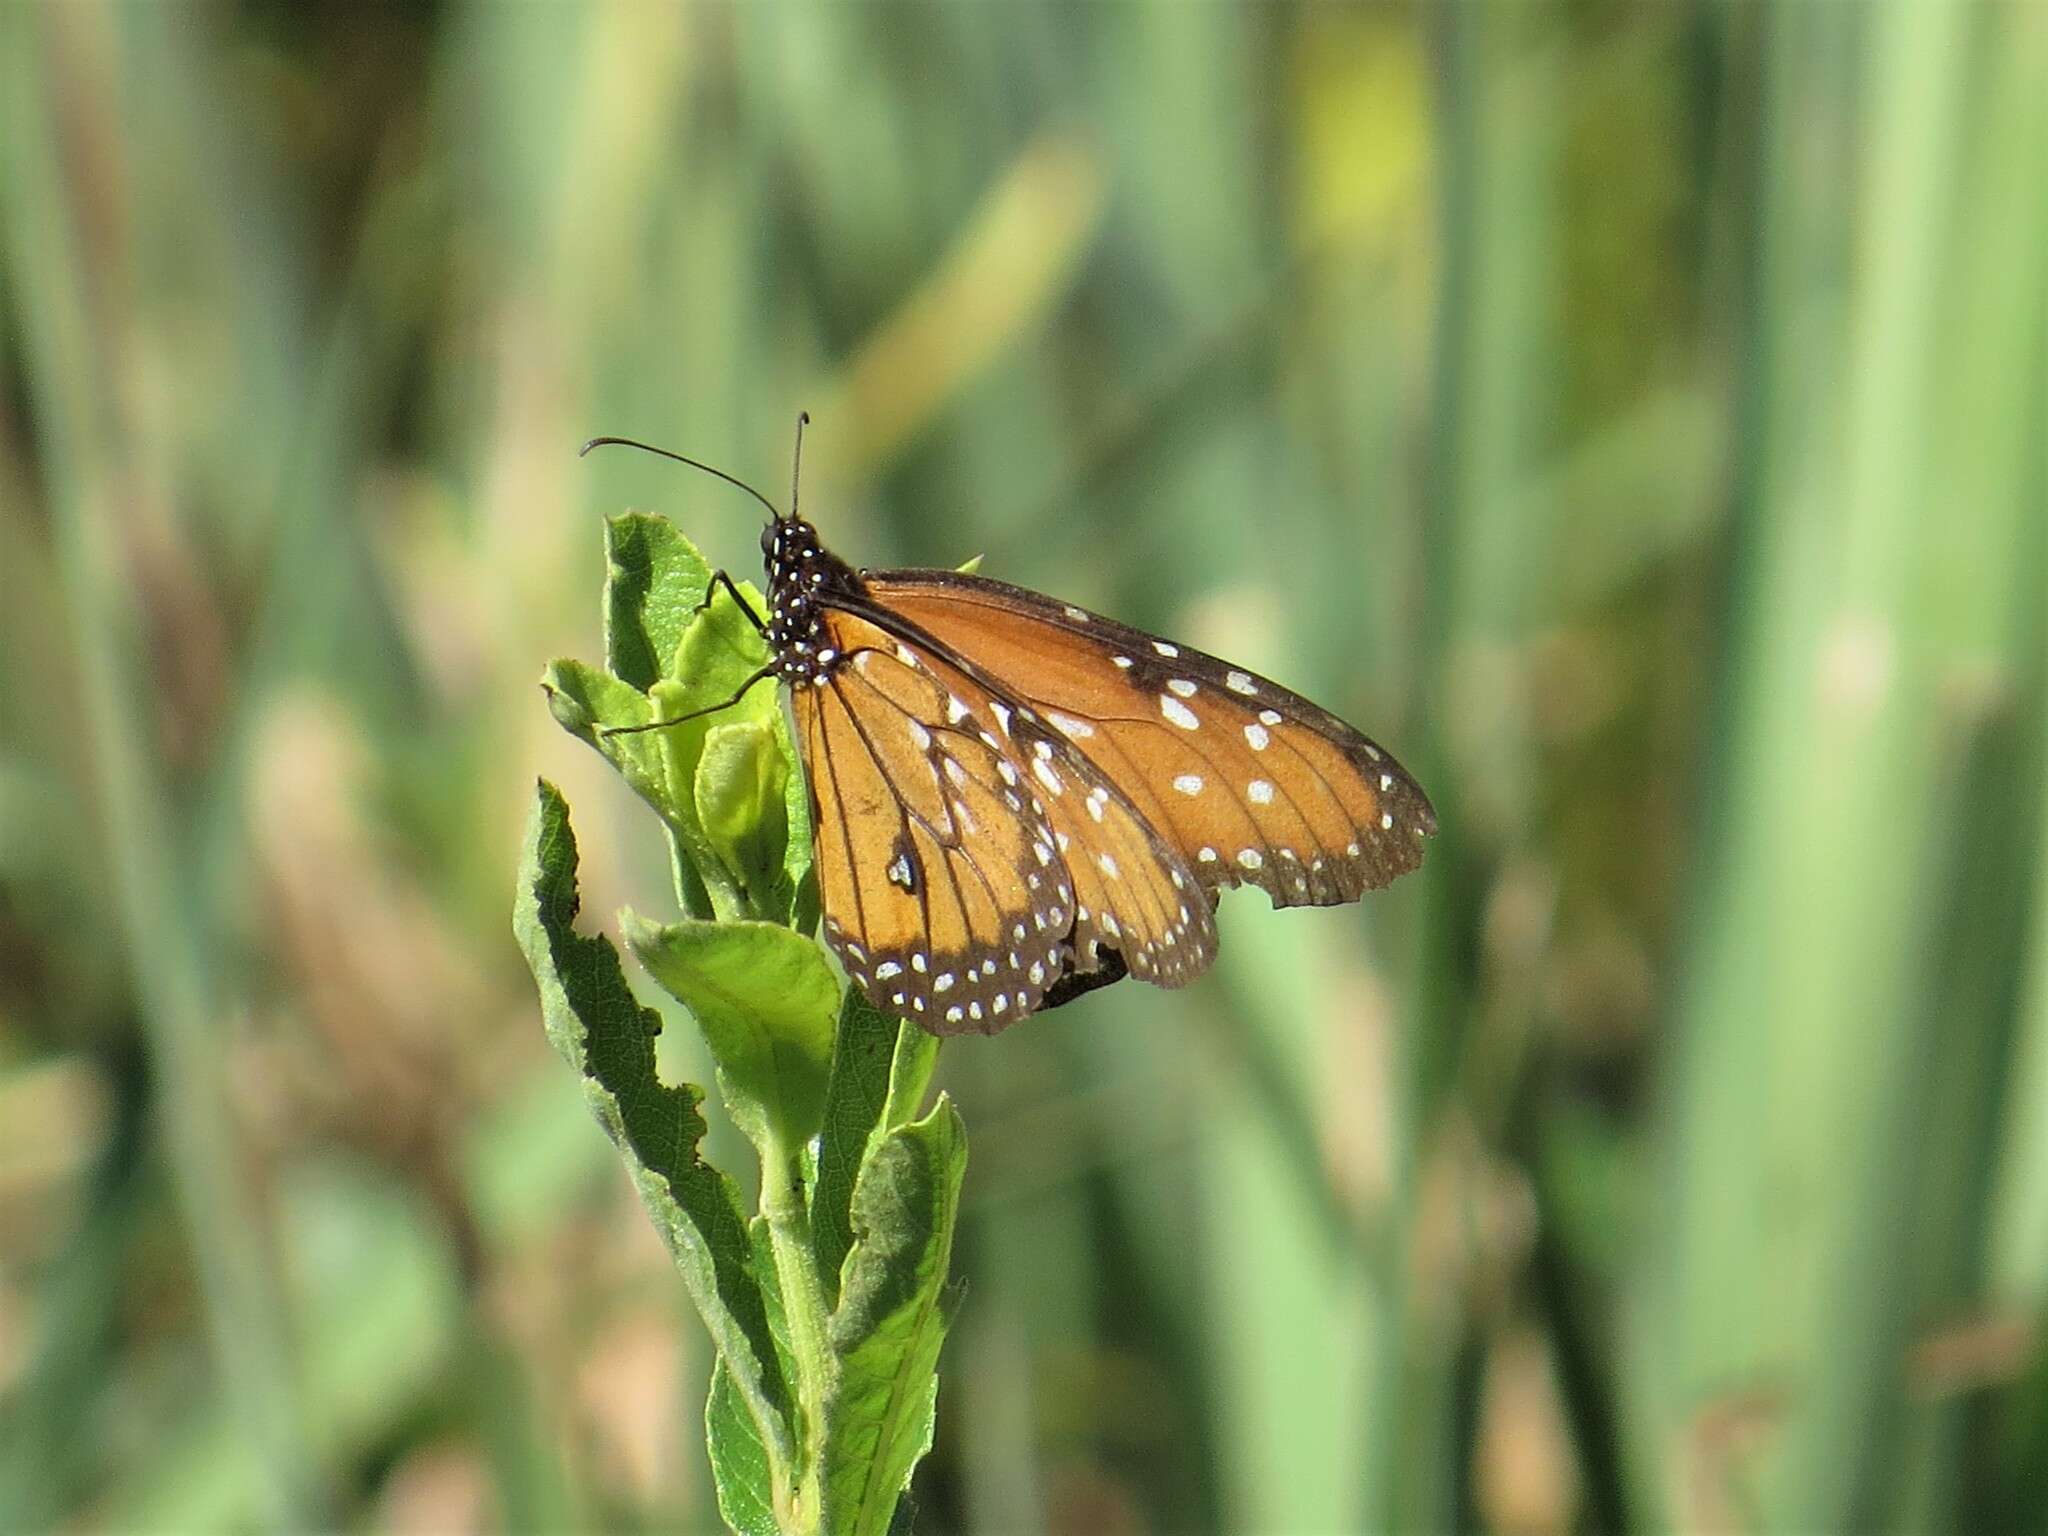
[(1015, 800)]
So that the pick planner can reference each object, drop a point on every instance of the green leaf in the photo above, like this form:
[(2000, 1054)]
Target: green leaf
[(742, 803), (718, 651), (891, 1319), (739, 1462), (765, 999), (654, 580), (608, 1037), (854, 1097), (881, 1066), (678, 645), (910, 1074), (585, 701), (797, 843)]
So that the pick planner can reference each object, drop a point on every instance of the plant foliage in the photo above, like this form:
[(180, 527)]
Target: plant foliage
[(827, 1307)]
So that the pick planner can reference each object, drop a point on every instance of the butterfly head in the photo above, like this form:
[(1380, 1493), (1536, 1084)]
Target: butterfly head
[(803, 575)]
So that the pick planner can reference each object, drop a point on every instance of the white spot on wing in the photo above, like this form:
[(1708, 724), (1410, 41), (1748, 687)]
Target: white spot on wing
[(1164, 649), (1237, 682), (1260, 791), (1178, 713), (1256, 735), (1080, 730), (1251, 858), (1181, 686), (1188, 783)]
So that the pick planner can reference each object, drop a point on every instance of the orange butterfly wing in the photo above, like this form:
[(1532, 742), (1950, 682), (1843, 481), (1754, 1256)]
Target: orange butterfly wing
[(969, 855), (1249, 782)]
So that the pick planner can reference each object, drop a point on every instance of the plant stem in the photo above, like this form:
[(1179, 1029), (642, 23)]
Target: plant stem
[(803, 1305)]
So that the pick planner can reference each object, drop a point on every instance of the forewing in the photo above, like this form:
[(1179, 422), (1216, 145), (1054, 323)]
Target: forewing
[(1251, 783)]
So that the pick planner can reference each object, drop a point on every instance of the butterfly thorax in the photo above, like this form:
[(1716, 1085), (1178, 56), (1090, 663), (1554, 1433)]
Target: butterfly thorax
[(802, 575)]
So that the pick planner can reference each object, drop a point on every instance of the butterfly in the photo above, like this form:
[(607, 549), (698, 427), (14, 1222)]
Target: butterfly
[(1015, 800)]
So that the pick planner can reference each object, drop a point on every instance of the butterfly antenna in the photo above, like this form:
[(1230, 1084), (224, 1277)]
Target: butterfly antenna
[(796, 466), (627, 442)]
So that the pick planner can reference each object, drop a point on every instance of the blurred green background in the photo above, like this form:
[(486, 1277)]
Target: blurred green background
[(1630, 411)]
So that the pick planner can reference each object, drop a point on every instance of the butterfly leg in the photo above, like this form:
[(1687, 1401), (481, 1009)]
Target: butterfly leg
[(719, 578), (710, 709)]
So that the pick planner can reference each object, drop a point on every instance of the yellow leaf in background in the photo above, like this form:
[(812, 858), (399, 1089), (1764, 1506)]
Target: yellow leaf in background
[(1363, 129), (1017, 254)]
